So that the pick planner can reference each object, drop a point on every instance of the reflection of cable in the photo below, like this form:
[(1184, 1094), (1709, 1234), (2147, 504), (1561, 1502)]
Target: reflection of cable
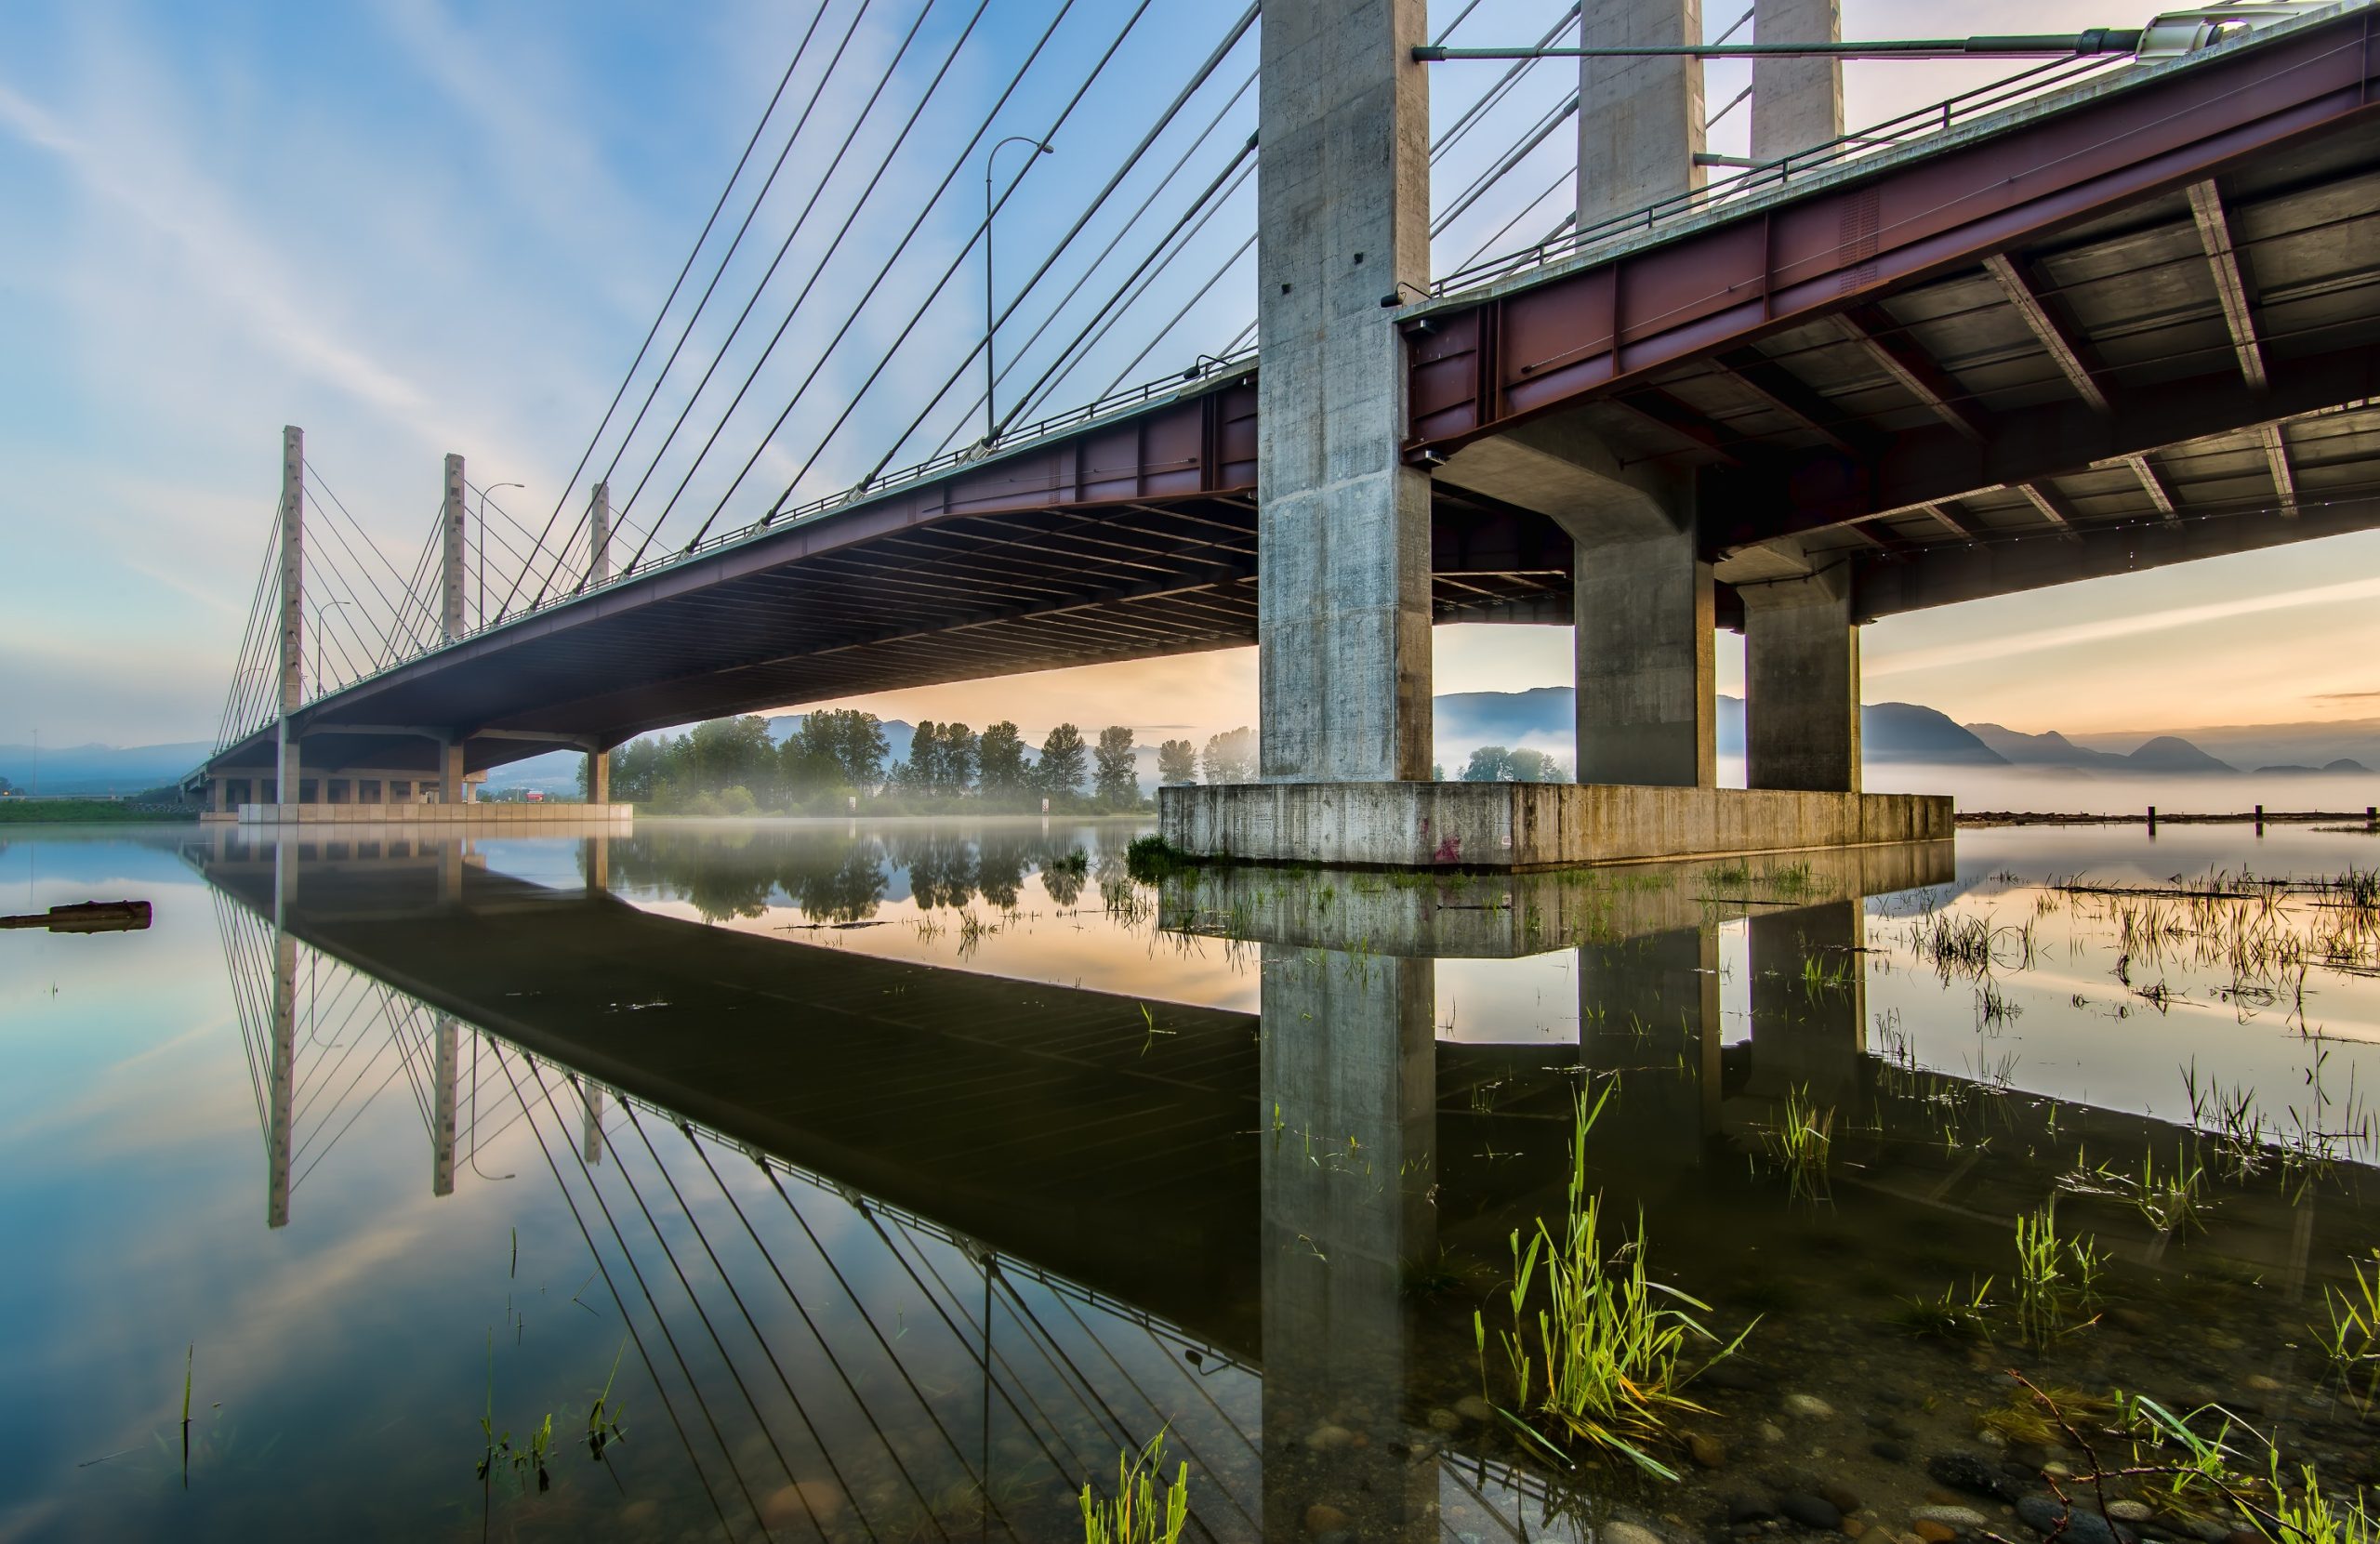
[(473, 1159), (629, 1320)]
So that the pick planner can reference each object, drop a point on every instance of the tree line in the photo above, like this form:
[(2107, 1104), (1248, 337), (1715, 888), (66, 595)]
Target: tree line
[(731, 766)]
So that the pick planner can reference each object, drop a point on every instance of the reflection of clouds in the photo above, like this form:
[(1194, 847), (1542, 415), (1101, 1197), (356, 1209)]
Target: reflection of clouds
[(102, 1119)]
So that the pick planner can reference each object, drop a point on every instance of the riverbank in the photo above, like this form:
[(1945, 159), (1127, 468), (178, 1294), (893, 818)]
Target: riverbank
[(2339, 819), (91, 811)]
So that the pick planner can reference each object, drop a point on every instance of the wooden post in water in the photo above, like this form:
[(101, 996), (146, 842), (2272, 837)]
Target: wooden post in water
[(2260, 819), (2152, 820)]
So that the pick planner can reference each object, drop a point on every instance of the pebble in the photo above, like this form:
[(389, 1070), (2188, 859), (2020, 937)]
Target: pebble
[(2131, 1511), (1949, 1517), (2046, 1514), (1812, 1511), (800, 1501), (1710, 1452), (1991, 1438), (1328, 1438), (2264, 1384), (1840, 1498), (1966, 1472), (1473, 1408), (1771, 1432), (1445, 1420), (1890, 1451), (1749, 1507), (1322, 1517), (1627, 1533), (1808, 1408), (1936, 1533)]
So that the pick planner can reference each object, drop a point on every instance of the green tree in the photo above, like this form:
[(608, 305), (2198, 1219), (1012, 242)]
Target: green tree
[(1117, 783), (1061, 767), (1489, 764), (1177, 761), (923, 769), (955, 769), (854, 740), (1000, 759), (724, 752), (1230, 757)]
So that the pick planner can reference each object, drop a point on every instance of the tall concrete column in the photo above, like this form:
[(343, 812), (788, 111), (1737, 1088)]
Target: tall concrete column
[(599, 536), (450, 772), (598, 778), (1796, 103), (218, 791), (452, 549), (447, 1093), (1801, 685), (1648, 666), (595, 864), (287, 789), (1348, 1061), (1640, 120), (1343, 529)]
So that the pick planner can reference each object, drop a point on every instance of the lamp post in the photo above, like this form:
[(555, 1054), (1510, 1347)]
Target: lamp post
[(484, 492), (991, 418)]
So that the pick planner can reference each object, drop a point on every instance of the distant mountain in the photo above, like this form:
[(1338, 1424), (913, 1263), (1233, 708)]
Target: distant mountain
[(2164, 754), (2345, 764), (1545, 718), (98, 768)]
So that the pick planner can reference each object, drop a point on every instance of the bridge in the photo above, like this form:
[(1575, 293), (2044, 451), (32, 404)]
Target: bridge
[(2115, 315)]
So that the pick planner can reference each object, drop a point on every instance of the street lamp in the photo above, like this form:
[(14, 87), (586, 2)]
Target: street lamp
[(484, 492), (991, 420)]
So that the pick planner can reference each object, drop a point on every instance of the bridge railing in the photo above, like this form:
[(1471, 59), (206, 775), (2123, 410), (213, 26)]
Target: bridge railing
[(1739, 184)]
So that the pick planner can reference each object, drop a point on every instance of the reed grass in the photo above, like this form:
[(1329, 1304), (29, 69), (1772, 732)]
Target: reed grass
[(1145, 1509), (1604, 1369), (1802, 1141)]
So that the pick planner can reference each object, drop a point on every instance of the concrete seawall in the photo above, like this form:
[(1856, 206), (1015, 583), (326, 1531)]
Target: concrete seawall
[(504, 816), (1524, 826)]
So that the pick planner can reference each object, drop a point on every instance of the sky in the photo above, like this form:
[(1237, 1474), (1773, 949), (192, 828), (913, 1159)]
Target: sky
[(413, 228)]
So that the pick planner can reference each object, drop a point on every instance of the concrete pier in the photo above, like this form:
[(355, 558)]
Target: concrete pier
[(1647, 671), (557, 817), (1344, 530), (1526, 825), (1801, 685)]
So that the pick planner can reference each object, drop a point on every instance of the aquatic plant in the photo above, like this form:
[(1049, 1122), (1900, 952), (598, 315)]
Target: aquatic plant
[(2056, 1275), (2353, 1339), (2170, 1201), (1605, 1366), (1822, 977), (1151, 858), (1145, 1509), (1802, 1141), (1947, 1317)]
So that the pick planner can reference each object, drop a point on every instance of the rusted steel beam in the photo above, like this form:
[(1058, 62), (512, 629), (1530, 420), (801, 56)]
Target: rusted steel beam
[(2230, 284), (2064, 350), (2032, 444), (2053, 506), (2152, 483), (1787, 393), (2275, 444), (1882, 339), (1539, 342)]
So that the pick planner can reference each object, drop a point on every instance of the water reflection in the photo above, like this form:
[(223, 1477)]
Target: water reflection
[(891, 1249)]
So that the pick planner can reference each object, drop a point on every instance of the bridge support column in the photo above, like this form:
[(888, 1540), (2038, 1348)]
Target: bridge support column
[(1796, 103), (1648, 666), (1640, 120), (1349, 1061), (598, 778), (293, 611), (451, 787), (452, 550), (1809, 1030), (1343, 533), (1801, 685), (445, 1080)]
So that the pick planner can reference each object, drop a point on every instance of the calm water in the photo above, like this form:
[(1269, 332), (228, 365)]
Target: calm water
[(893, 1179)]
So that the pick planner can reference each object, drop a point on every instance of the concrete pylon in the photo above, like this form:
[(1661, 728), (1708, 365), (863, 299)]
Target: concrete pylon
[(452, 546), (1801, 685), (598, 535), (1809, 1030), (1344, 528), (1647, 664), (283, 1082), (287, 787), (1349, 1084), (1649, 1013), (1796, 103), (451, 787), (1640, 120)]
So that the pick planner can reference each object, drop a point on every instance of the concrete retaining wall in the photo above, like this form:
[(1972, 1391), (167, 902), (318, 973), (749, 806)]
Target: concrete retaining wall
[(1523, 825), (504, 816)]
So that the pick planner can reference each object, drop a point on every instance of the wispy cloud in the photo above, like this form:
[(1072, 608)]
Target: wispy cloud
[(2039, 640)]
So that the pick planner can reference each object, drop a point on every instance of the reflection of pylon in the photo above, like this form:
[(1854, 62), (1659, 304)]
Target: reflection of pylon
[(592, 1146), (285, 1051), (443, 1091)]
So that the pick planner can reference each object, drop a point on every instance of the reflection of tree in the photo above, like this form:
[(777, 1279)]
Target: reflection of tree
[(1000, 873), (846, 891), (1064, 884), (941, 868)]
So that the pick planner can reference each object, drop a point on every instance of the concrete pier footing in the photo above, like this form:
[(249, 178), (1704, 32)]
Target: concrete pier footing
[(556, 817), (1526, 825)]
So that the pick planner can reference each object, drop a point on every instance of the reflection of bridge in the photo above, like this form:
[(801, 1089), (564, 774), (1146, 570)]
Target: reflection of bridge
[(2115, 326), (1104, 1187)]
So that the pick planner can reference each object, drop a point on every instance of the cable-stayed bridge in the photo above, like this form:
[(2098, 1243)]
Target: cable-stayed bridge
[(2110, 313)]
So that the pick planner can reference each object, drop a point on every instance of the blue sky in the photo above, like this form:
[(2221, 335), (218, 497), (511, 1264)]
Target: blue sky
[(413, 228)]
